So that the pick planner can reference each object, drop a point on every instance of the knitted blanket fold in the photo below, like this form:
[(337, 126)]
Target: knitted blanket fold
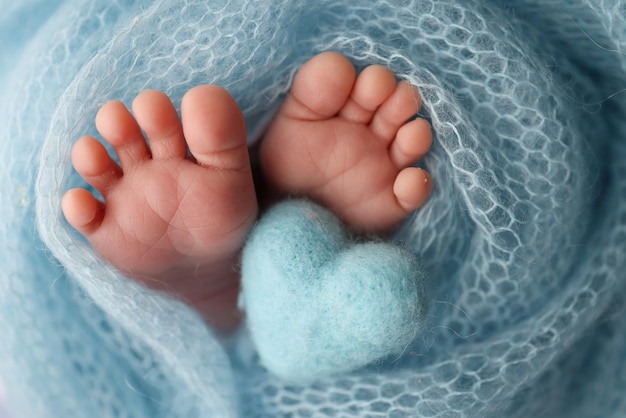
[(524, 238)]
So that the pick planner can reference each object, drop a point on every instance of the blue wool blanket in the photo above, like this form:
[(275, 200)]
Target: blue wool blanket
[(523, 241)]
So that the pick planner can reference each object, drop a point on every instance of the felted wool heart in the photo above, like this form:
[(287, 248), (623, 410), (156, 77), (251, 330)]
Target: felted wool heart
[(317, 303)]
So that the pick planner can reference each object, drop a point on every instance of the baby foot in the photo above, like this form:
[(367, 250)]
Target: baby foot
[(347, 142), (172, 221)]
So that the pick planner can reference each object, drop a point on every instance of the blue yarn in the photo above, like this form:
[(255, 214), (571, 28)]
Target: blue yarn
[(523, 239), (318, 304)]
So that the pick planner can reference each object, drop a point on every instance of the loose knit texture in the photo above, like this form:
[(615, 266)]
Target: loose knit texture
[(523, 240)]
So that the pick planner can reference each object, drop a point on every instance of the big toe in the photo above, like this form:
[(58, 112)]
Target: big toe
[(321, 87), (214, 128)]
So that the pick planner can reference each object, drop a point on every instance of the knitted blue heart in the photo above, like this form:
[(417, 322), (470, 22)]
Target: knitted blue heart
[(317, 303)]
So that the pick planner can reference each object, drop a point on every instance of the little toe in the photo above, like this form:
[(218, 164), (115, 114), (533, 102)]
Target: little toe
[(119, 128), (371, 88), (397, 109), (215, 128), (158, 118), (412, 188), (320, 88), (83, 211), (94, 164), (412, 142)]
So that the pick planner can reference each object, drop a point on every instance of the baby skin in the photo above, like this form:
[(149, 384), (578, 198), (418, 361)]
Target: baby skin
[(178, 207)]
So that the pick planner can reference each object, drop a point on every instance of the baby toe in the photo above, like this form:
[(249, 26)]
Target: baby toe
[(83, 211), (412, 188)]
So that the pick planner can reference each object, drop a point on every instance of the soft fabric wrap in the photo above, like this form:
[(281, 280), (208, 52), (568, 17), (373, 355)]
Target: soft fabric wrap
[(523, 240)]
